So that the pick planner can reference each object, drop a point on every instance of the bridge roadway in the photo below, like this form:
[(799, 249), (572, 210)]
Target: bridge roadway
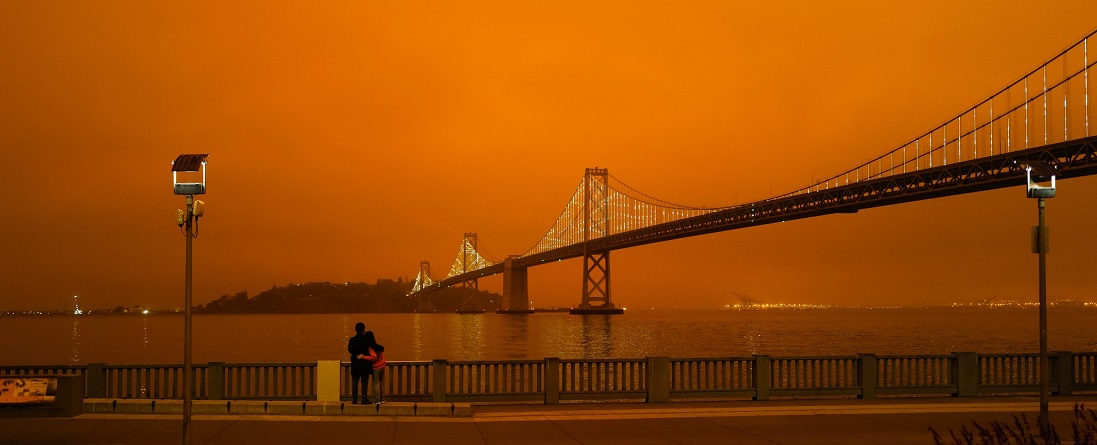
[(829, 421), (1071, 159)]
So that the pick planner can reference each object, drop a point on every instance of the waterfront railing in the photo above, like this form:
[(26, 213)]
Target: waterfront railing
[(651, 379)]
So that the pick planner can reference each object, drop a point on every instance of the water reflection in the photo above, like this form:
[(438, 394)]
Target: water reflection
[(597, 336), (417, 335), (515, 336), (76, 340), (144, 351), (753, 334), (156, 339), (472, 336)]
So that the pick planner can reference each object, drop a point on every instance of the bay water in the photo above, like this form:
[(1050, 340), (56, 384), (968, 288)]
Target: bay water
[(158, 339)]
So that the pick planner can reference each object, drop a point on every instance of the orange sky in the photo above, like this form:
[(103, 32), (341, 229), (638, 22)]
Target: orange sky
[(351, 140)]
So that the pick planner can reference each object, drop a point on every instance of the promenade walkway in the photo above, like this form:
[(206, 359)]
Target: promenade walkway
[(884, 421)]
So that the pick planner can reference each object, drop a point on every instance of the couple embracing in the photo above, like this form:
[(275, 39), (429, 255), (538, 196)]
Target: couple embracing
[(367, 359)]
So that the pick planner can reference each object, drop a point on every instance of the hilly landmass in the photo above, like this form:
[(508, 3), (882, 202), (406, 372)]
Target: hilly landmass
[(323, 298)]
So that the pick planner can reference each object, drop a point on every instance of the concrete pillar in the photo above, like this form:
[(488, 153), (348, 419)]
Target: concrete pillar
[(70, 394), (868, 376), (966, 374), (761, 377), (438, 375), (327, 380), (96, 381), (515, 285), (658, 381), (215, 381), (552, 381), (1064, 371)]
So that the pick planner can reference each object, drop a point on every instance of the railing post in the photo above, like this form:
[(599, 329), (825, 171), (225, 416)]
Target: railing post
[(552, 381), (1064, 370), (658, 381), (327, 380), (868, 376), (966, 374), (761, 377), (438, 371), (215, 383), (96, 381)]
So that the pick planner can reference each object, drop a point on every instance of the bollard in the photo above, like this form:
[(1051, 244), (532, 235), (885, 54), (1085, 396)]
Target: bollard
[(438, 392), (658, 381), (216, 382), (761, 377), (96, 381), (327, 380), (868, 376), (966, 374), (552, 381), (1064, 372)]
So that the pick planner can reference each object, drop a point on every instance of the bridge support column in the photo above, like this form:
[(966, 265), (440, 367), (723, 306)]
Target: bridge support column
[(515, 288), (596, 291), (468, 250), (422, 282), (596, 225)]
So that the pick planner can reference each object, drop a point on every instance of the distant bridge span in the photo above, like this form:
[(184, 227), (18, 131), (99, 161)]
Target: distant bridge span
[(977, 150)]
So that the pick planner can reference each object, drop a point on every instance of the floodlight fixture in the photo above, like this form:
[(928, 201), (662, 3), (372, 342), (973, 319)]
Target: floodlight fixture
[(1036, 171), (189, 163)]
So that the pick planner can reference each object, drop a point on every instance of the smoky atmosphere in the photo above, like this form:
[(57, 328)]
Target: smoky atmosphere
[(350, 141)]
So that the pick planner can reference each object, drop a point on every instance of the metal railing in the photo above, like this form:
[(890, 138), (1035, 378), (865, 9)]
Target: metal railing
[(649, 379)]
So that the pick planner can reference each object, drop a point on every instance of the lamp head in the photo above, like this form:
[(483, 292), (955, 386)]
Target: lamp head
[(1036, 171), (189, 163)]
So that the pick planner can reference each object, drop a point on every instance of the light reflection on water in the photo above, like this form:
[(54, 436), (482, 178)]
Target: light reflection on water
[(76, 340), (597, 336), (136, 339)]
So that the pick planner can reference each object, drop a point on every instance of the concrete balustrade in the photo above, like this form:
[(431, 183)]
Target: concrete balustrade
[(441, 387)]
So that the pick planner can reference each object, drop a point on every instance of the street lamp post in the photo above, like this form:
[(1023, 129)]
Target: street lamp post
[(188, 221), (1040, 246)]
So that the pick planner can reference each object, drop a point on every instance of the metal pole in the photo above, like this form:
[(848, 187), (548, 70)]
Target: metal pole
[(1045, 369), (186, 326)]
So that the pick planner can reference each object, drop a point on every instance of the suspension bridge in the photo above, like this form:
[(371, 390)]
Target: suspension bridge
[(1040, 124)]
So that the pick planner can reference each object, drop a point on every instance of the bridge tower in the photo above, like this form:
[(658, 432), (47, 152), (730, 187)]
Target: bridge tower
[(468, 254), (424, 277), (596, 290), (515, 288)]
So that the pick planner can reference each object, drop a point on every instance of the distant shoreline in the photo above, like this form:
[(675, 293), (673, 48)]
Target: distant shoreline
[(790, 307)]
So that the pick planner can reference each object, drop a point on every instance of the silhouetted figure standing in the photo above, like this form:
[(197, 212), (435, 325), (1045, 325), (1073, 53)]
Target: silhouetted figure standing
[(360, 368), (376, 357)]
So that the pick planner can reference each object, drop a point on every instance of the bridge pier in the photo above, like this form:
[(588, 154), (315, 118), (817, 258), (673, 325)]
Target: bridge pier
[(596, 299), (468, 250), (422, 282), (515, 288)]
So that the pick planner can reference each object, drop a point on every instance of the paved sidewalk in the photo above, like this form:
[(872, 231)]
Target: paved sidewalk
[(885, 421)]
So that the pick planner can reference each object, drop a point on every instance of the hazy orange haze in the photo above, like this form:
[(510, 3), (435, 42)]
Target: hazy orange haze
[(350, 140)]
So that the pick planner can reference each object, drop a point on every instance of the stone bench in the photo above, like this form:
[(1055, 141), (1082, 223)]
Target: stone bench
[(42, 396)]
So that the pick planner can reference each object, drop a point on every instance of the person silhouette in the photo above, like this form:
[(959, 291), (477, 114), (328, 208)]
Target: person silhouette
[(376, 357), (360, 368)]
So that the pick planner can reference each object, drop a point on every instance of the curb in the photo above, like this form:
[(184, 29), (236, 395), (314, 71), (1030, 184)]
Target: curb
[(281, 407)]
